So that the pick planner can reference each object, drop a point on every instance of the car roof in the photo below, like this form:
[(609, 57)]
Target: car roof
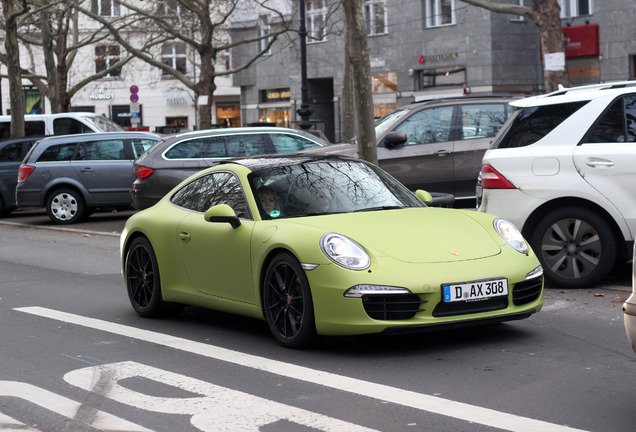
[(245, 129), (576, 94), (463, 99), (97, 135), (278, 160)]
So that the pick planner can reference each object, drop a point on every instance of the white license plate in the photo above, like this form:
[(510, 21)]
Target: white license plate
[(474, 291)]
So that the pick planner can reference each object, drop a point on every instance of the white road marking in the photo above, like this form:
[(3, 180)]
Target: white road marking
[(419, 401), (63, 406)]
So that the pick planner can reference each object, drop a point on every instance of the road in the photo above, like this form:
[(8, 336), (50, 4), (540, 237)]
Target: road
[(75, 357)]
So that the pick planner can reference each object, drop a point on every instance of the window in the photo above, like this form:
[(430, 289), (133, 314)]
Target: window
[(375, 16), (192, 149), (140, 145), (428, 126), (68, 126), (11, 152), (107, 8), (59, 152), (516, 17), (482, 120), (574, 8), (316, 16), (263, 30), (174, 55), (210, 190), (107, 56), (617, 124), (440, 12), (34, 128), (169, 8), (101, 150), (291, 143), (245, 145)]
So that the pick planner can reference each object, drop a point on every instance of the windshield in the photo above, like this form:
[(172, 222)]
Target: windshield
[(327, 187), (388, 121), (105, 124)]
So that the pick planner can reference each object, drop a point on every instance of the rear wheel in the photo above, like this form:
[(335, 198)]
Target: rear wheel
[(287, 302), (576, 247), (65, 206)]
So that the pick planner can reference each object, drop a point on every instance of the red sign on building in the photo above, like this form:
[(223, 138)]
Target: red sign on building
[(581, 41)]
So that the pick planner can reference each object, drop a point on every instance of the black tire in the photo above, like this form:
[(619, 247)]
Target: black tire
[(142, 279), (65, 206), (576, 247), (287, 302)]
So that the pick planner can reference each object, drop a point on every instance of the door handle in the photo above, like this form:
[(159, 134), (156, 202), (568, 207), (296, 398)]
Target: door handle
[(87, 170), (595, 163), (184, 235), (443, 152)]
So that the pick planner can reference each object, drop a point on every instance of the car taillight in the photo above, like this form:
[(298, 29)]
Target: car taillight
[(491, 179), (143, 172), (24, 172)]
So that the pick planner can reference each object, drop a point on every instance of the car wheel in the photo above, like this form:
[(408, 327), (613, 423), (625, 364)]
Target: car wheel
[(287, 302), (576, 247), (65, 206), (142, 278)]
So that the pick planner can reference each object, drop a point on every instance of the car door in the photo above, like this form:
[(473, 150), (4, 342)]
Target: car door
[(215, 255), (606, 157), (425, 160), (105, 170), (476, 124)]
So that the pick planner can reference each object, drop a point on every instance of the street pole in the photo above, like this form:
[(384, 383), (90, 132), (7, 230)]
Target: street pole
[(304, 111)]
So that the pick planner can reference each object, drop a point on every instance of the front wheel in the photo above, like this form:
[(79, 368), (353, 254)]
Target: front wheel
[(65, 206), (142, 278), (287, 302), (576, 247)]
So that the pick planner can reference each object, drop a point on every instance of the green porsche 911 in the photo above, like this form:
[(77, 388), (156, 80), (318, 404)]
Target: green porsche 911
[(325, 245)]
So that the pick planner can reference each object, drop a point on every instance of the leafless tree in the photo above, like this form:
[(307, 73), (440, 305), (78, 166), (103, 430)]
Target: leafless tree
[(546, 15)]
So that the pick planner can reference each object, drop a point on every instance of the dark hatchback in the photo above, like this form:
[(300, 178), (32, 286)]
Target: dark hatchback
[(179, 156), (12, 151)]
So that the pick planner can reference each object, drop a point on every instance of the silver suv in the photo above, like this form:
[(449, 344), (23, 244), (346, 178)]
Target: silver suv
[(563, 170), (73, 175)]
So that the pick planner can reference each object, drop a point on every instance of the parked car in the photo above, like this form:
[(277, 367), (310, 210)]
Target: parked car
[(60, 124), (437, 145), (72, 175), (12, 151), (179, 156), (338, 251), (629, 308), (562, 170)]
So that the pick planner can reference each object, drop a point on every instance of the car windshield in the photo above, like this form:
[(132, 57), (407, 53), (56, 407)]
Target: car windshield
[(105, 124), (327, 187), (388, 121)]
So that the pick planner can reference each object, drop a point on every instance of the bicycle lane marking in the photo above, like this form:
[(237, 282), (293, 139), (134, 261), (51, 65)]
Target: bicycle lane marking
[(406, 398)]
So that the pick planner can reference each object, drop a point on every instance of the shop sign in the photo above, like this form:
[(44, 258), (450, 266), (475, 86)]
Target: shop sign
[(276, 95), (581, 41), (100, 95), (437, 57)]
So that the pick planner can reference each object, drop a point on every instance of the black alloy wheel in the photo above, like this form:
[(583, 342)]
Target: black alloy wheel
[(142, 278), (287, 302), (576, 247)]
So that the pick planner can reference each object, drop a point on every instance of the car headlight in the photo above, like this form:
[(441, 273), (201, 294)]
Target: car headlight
[(511, 235), (344, 251)]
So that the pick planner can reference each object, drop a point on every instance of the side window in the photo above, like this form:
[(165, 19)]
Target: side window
[(5, 130), (245, 145), (191, 149), (69, 126), (140, 145), (216, 148), (11, 152), (482, 120), (427, 126), (101, 150), (58, 152), (210, 190), (617, 124), (33, 128), (285, 143)]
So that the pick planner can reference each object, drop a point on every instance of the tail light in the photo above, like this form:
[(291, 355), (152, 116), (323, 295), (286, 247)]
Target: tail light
[(24, 172), (491, 179), (143, 172)]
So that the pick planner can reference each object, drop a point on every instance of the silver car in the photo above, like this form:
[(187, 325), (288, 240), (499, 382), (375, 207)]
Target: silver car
[(72, 175)]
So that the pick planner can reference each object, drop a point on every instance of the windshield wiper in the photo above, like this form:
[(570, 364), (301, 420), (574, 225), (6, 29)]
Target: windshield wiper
[(393, 207)]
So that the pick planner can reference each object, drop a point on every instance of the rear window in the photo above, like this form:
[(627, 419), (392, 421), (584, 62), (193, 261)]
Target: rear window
[(69, 126), (285, 143), (58, 152), (531, 124)]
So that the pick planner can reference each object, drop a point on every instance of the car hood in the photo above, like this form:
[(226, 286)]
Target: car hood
[(423, 235)]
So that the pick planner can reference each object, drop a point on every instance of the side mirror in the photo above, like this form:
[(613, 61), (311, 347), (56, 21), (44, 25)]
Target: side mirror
[(222, 213), (423, 196), (394, 139)]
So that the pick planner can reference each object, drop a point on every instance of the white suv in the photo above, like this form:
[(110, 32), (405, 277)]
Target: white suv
[(563, 169)]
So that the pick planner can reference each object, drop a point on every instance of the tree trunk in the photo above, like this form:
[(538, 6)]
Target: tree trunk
[(11, 13), (347, 110), (552, 44), (361, 74)]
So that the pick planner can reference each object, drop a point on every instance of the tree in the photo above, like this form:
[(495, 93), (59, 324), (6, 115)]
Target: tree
[(12, 10), (358, 48), (202, 26), (546, 15)]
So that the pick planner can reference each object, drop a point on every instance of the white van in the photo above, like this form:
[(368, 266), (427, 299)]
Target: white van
[(60, 124)]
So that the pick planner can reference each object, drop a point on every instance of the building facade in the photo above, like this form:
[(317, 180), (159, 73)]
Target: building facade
[(426, 49)]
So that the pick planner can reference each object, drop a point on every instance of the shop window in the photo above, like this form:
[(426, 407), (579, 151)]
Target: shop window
[(315, 17), (574, 8), (516, 18), (106, 56), (427, 78), (170, 8), (174, 55), (439, 12), (106, 8), (375, 14)]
